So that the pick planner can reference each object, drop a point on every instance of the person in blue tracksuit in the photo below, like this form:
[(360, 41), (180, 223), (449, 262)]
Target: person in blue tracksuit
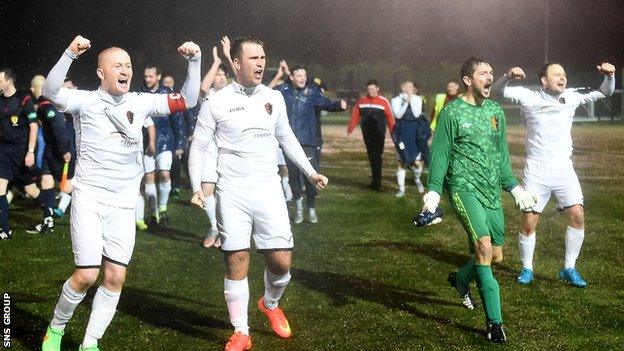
[(170, 141), (302, 99)]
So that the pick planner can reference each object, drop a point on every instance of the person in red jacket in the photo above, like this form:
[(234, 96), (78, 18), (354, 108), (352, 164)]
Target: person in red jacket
[(373, 112)]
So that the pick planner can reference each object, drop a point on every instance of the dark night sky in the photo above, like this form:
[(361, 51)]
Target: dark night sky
[(410, 32)]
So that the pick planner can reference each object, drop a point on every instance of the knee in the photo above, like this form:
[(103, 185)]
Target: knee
[(165, 176), (114, 279), (576, 217), (47, 182), (484, 251), (82, 279), (32, 191), (527, 229)]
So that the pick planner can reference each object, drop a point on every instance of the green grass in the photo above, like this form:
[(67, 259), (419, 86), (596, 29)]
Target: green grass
[(364, 278)]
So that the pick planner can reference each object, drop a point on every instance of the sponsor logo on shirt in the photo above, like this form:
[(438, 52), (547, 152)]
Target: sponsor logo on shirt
[(14, 120), (130, 116), (268, 107), (237, 109)]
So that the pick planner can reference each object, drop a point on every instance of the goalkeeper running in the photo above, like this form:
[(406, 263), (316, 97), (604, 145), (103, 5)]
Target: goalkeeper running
[(470, 159)]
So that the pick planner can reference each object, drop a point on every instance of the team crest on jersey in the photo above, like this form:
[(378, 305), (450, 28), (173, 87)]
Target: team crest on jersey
[(14, 120), (494, 121), (174, 96), (269, 108), (130, 116)]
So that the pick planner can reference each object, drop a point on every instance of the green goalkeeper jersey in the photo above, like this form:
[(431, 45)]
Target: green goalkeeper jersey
[(470, 152)]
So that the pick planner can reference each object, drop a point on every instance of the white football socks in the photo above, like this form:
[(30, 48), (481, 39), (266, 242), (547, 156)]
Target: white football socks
[(66, 305), (401, 179), (102, 312), (573, 242), (64, 202), (210, 206), (237, 298), (417, 171), (139, 210), (164, 188), (274, 286), (526, 246), (150, 197)]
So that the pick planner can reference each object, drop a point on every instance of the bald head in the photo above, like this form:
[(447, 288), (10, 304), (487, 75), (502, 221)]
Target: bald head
[(114, 70), (36, 85), (112, 53)]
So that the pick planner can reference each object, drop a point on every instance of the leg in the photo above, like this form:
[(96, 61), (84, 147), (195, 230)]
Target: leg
[(210, 209), (400, 179), (151, 194), (311, 192), (276, 276), (295, 179), (237, 289), (4, 210), (282, 170), (105, 302), (575, 233)]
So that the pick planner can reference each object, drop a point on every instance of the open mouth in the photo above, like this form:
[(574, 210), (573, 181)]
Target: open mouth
[(486, 87), (123, 81), (258, 73)]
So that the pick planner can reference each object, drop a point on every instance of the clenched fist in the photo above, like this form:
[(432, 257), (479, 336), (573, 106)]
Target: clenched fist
[(189, 50), (606, 68), (79, 45)]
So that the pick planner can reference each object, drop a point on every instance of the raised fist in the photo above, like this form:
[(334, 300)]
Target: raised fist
[(515, 73), (79, 45), (189, 49), (606, 68)]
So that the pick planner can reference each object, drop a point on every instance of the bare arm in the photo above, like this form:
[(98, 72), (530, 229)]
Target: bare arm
[(225, 44), (206, 83)]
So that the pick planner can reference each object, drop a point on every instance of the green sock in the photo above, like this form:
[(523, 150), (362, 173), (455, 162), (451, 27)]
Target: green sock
[(490, 294), (466, 274)]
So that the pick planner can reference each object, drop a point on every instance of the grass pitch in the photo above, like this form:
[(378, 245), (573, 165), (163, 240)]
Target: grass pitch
[(364, 278)]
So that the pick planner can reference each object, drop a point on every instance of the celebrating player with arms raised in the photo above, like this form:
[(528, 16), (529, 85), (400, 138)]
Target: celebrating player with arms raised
[(470, 159), (109, 168), (548, 169), (246, 120)]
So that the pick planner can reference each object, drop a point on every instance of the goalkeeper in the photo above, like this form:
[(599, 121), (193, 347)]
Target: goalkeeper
[(470, 158)]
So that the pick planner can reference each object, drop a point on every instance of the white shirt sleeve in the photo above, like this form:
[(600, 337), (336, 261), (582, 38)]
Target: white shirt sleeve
[(287, 140), (203, 136), (148, 122), (398, 106), (606, 89), (416, 105)]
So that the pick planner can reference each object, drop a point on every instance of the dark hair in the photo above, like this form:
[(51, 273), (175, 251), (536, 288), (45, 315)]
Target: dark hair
[(372, 82), (544, 69), (224, 69), (297, 68), (237, 46), (8, 74), (159, 70), (469, 67)]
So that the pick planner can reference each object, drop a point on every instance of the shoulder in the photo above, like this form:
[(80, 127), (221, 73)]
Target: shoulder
[(383, 99)]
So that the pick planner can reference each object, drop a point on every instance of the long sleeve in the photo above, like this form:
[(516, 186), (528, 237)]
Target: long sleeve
[(355, 117), (398, 106), (52, 89), (388, 113), (289, 143), (508, 180), (322, 102), (606, 89), (441, 152), (190, 88), (202, 137)]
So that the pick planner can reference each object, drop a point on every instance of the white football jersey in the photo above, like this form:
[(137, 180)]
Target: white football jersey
[(109, 142), (549, 118), (247, 129)]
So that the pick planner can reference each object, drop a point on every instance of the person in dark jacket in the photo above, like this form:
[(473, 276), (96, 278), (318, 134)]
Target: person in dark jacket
[(302, 99)]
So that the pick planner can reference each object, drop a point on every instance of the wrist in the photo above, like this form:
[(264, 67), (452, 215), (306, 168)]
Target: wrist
[(31, 150), (71, 54)]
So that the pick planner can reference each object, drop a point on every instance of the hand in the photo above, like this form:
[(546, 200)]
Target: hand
[(343, 105), (67, 157), (198, 199), (525, 200), (515, 73), (606, 68), (179, 152), (225, 45), (151, 149), (216, 60), (431, 201), (29, 161), (79, 45), (349, 134), (188, 50), (319, 180), (284, 67)]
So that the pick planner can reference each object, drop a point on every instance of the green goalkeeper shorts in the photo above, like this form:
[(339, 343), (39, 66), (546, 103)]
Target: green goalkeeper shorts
[(478, 220)]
